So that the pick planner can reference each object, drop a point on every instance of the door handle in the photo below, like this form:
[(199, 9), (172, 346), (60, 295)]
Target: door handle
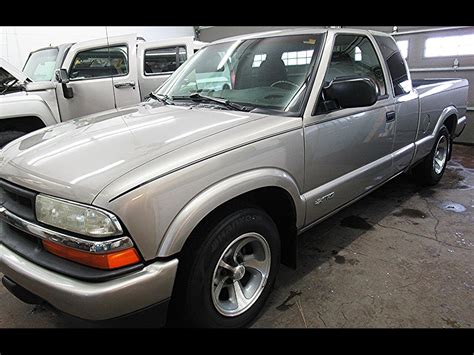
[(125, 85), (390, 116)]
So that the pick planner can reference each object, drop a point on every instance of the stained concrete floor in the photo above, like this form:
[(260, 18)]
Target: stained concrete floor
[(400, 257)]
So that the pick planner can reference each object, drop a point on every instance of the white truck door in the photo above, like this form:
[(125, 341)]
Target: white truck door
[(89, 70), (123, 55), (159, 59)]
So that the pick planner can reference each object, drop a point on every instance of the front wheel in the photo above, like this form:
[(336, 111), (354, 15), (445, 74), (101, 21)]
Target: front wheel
[(225, 281), (430, 171)]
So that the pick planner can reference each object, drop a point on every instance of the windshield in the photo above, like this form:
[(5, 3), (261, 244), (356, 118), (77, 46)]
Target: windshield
[(40, 65), (263, 72)]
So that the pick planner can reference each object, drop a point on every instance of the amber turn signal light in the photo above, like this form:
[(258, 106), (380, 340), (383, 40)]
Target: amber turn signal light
[(107, 261)]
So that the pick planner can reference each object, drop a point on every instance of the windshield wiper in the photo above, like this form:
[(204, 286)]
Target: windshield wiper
[(162, 98), (229, 104)]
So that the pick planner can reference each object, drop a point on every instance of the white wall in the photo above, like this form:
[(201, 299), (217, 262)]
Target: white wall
[(17, 42)]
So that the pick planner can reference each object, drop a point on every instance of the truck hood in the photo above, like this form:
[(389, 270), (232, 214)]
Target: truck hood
[(77, 159), (9, 72)]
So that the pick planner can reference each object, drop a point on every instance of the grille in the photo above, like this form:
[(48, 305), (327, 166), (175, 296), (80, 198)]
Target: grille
[(17, 200)]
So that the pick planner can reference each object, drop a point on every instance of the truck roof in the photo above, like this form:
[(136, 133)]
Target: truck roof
[(64, 45), (298, 31)]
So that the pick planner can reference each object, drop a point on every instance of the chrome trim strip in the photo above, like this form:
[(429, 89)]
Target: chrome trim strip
[(421, 70), (428, 30), (424, 140), (96, 247)]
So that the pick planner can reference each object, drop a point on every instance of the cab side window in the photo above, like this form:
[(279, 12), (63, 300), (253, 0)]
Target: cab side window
[(396, 65), (164, 60), (353, 55), (100, 63)]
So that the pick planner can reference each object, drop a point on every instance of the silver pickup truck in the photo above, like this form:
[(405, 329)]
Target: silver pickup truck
[(188, 202), (78, 79)]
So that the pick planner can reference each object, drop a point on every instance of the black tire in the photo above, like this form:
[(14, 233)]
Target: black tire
[(192, 303), (8, 136), (425, 172)]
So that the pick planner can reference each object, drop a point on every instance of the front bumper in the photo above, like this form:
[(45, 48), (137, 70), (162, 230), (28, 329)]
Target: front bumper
[(92, 301)]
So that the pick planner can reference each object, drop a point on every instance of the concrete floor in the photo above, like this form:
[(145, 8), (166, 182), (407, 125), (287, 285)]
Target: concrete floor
[(400, 257)]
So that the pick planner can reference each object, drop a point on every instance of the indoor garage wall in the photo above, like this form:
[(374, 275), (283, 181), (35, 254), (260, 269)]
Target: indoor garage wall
[(16, 42), (442, 67), (420, 66)]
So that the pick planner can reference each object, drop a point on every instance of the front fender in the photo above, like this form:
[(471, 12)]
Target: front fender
[(221, 192), (13, 106)]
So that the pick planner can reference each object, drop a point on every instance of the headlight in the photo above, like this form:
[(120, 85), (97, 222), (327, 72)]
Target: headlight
[(77, 218)]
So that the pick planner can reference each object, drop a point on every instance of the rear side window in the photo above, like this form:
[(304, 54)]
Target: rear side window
[(396, 65), (164, 60), (100, 63)]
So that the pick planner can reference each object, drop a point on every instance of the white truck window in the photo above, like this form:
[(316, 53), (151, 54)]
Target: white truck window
[(99, 63), (164, 60), (40, 64)]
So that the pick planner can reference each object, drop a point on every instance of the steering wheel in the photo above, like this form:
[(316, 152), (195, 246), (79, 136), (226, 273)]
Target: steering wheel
[(285, 83)]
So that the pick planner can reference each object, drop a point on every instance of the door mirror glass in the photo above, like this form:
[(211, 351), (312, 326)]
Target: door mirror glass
[(348, 92), (62, 76)]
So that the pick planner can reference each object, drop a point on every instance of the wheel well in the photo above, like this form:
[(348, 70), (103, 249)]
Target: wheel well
[(450, 123), (276, 202), (24, 124)]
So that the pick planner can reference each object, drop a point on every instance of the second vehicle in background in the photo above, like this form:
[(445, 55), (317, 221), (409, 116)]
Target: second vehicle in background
[(77, 79)]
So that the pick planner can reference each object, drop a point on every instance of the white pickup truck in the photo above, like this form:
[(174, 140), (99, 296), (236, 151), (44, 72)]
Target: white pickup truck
[(77, 79)]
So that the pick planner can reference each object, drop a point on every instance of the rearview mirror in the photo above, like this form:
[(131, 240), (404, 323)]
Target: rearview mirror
[(62, 76), (350, 92)]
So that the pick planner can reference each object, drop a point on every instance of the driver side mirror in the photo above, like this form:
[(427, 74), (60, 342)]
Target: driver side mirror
[(63, 78), (349, 92)]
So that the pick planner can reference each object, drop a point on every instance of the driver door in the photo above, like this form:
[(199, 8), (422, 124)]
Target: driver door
[(102, 75), (347, 150)]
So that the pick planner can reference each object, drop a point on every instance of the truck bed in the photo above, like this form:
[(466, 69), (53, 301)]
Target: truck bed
[(423, 82), (436, 95), (435, 86)]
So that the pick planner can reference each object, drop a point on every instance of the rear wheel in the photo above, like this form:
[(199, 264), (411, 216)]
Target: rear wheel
[(431, 169), (8, 136), (226, 276)]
